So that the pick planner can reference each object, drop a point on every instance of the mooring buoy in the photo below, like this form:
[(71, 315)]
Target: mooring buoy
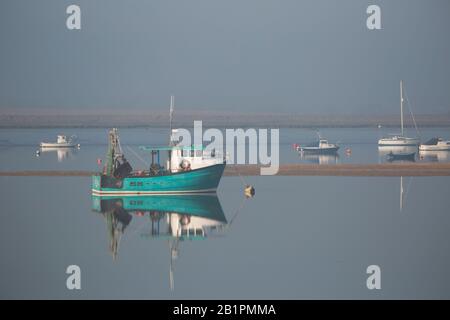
[(249, 191)]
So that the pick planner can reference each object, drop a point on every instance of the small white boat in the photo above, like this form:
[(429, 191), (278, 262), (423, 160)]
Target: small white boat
[(435, 144), (320, 147), (399, 140), (61, 142)]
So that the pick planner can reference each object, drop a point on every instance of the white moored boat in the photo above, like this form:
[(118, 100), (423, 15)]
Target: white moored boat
[(435, 144), (61, 142), (399, 140), (396, 140)]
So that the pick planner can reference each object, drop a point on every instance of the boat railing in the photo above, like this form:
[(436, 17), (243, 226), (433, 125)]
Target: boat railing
[(194, 152), (215, 155)]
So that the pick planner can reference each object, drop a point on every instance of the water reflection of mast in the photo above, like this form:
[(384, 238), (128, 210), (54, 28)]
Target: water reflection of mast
[(401, 193), (155, 218), (117, 220), (173, 218), (173, 251), (114, 234), (173, 246)]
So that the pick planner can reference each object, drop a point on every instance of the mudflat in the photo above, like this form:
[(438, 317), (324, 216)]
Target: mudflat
[(297, 169)]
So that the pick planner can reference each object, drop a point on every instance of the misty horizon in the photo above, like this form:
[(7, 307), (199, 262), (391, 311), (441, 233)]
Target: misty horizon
[(309, 57)]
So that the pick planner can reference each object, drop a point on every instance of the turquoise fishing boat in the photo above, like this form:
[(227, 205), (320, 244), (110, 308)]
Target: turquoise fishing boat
[(190, 169), (202, 180)]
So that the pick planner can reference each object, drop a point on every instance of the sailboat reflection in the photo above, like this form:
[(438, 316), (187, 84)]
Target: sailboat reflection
[(61, 153), (393, 153), (175, 218)]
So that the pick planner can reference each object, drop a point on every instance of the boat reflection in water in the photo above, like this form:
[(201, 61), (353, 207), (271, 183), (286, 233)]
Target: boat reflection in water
[(435, 156), (61, 153), (393, 153), (175, 218), (320, 158)]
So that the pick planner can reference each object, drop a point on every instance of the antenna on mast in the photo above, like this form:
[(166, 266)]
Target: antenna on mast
[(172, 104)]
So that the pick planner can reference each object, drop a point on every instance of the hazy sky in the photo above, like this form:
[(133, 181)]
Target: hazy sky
[(281, 55)]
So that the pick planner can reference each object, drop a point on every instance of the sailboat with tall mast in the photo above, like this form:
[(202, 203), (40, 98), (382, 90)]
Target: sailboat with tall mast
[(399, 140)]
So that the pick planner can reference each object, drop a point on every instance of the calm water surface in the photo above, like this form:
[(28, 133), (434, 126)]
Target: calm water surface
[(18, 146), (299, 237)]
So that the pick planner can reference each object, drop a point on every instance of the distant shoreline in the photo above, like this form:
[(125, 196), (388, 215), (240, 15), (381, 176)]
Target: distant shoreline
[(218, 127), (185, 119), (297, 169)]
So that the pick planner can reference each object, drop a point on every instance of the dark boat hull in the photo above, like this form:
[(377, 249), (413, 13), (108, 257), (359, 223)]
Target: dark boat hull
[(401, 156), (307, 150)]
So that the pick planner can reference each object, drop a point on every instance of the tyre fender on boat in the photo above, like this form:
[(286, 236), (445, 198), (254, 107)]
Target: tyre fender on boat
[(185, 220), (185, 165)]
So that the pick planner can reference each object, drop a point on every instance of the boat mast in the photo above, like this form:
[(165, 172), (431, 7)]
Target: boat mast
[(401, 104), (114, 151)]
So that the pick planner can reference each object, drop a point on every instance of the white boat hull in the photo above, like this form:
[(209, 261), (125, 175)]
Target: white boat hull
[(403, 141)]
